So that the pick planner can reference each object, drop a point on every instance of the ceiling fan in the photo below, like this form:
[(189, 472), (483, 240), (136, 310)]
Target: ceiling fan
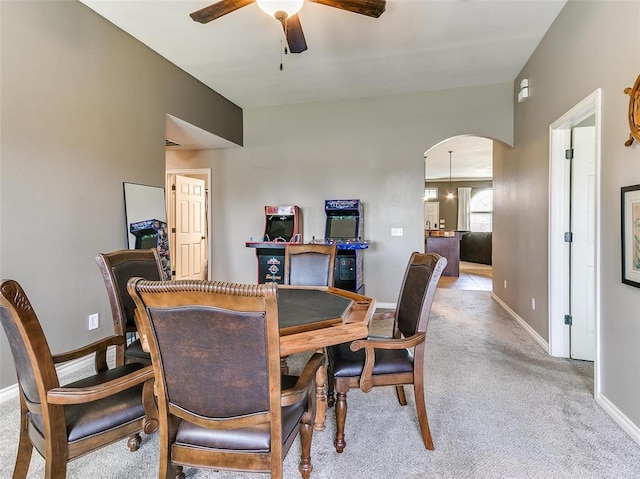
[(286, 11)]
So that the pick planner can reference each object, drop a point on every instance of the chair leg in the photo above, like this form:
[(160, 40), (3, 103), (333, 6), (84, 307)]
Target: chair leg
[(56, 464), (134, 442), (402, 399), (341, 416), (25, 448), (331, 386), (321, 399), (170, 471), (167, 469), (306, 434), (421, 409)]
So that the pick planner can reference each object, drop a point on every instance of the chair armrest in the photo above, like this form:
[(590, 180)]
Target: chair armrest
[(387, 343), (307, 377), (100, 345), (370, 345), (64, 395)]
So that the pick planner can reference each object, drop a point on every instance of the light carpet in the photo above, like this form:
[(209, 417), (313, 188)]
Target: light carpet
[(498, 405)]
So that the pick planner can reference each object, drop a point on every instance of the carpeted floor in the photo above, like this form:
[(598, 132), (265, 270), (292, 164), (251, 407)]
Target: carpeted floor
[(498, 406)]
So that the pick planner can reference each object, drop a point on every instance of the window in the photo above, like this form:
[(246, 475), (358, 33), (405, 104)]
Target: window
[(482, 210), (430, 194)]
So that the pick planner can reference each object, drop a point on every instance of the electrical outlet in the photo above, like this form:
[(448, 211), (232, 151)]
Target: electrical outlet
[(505, 284), (533, 303), (396, 232), (94, 321)]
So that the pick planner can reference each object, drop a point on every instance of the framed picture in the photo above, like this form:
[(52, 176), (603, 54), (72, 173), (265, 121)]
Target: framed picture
[(630, 202)]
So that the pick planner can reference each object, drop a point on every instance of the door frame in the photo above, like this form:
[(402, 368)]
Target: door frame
[(559, 207), (200, 172)]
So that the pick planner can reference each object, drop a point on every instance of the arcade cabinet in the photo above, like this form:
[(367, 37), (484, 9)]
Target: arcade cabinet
[(283, 225), (344, 228), (153, 234)]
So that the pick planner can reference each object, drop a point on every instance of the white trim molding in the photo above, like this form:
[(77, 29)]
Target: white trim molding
[(559, 209), (623, 421), (522, 323)]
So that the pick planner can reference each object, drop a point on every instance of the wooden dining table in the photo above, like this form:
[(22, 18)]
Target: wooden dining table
[(312, 318)]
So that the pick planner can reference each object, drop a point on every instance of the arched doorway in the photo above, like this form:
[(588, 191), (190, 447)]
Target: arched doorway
[(458, 209)]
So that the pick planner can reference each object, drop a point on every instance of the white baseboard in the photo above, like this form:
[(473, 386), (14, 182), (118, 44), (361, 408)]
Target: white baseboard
[(64, 370), (623, 421), (8, 393), (536, 337)]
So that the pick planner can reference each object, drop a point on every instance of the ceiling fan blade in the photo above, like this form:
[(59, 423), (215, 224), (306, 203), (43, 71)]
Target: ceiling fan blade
[(295, 35), (371, 8), (218, 9)]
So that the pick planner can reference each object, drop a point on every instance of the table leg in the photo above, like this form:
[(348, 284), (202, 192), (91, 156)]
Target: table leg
[(321, 399)]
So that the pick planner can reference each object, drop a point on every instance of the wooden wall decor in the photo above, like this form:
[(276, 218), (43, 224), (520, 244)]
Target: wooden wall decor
[(634, 112)]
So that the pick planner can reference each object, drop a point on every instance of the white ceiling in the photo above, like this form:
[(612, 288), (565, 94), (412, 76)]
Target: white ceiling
[(416, 45), (471, 159)]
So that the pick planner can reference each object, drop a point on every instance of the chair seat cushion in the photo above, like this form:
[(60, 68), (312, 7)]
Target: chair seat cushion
[(134, 352), (254, 439), (84, 420), (345, 363)]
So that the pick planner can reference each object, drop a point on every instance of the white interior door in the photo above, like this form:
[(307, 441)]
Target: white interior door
[(190, 236), (583, 205), (431, 214)]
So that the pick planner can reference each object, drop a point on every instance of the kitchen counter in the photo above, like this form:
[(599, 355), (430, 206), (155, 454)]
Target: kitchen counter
[(446, 243)]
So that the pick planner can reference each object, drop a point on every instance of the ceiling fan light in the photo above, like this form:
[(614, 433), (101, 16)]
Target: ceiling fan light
[(290, 7)]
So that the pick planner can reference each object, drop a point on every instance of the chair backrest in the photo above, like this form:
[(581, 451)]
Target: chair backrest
[(31, 354), (117, 268), (417, 291), (214, 348), (309, 264)]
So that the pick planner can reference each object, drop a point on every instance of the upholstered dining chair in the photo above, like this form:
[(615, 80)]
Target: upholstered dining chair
[(222, 401), (378, 361), (309, 264), (117, 268), (66, 422)]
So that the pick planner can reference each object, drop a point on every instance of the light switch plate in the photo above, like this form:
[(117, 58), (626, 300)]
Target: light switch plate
[(94, 321), (396, 232)]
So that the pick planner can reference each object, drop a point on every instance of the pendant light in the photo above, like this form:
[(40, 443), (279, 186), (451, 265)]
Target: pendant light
[(450, 195)]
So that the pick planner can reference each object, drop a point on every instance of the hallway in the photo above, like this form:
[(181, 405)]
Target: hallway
[(473, 277)]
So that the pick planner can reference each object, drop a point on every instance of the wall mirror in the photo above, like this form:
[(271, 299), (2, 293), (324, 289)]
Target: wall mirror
[(146, 220), (142, 203)]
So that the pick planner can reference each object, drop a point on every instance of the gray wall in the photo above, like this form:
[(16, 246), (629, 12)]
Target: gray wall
[(591, 45), (83, 109), (371, 149)]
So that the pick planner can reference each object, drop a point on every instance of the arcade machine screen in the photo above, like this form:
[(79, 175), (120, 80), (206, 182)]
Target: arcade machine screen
[(339, 227), (146, 242), (279, 227)]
